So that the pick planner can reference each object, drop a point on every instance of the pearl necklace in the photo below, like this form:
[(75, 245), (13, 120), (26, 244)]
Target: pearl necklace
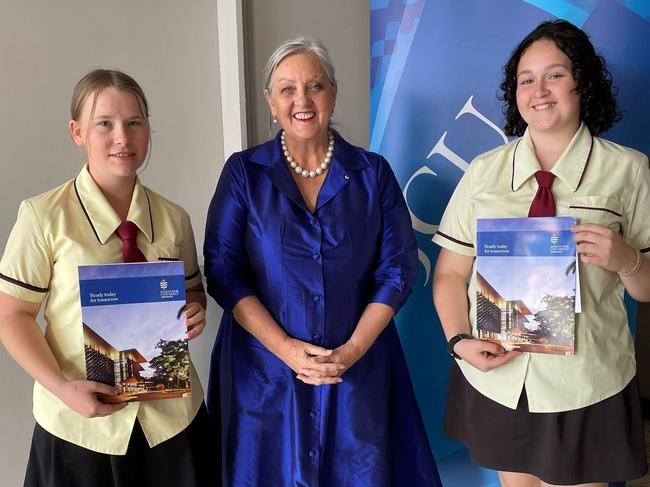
[(304, 172)]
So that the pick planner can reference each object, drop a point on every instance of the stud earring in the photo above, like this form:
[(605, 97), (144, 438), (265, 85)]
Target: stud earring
[(275, 120)]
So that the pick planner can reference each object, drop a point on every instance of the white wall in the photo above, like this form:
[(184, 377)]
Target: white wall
[(170, 48)]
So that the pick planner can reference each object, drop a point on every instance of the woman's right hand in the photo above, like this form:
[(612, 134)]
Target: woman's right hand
[(482, 354), (299, 357), (81, 397)]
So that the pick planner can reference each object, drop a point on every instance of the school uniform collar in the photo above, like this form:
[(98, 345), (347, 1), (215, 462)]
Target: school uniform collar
[(569, 168), (101, 216)]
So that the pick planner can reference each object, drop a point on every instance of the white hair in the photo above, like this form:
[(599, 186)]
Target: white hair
[(298, 45)]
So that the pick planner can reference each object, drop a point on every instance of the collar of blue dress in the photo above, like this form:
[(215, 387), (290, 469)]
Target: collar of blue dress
[(345, 160)]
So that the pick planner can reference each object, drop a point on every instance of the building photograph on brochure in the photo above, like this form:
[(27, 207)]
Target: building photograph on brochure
[(526, 283), (134, 336)]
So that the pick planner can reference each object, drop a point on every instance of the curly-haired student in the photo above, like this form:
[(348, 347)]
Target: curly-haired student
[(543, 419)]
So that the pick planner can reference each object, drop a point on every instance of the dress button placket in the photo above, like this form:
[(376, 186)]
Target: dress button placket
[(317, 329)]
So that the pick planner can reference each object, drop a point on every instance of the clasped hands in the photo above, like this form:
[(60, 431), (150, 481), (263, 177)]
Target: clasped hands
[(316, 365)]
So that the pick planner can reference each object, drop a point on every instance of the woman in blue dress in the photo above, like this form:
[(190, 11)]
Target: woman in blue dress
[(310, 253)]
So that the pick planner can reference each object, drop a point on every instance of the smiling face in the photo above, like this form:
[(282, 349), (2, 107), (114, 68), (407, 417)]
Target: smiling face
[(115, 135), (546, 90), (302, 98)]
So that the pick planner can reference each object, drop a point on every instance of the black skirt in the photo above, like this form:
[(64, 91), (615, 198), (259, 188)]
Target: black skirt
[(186, 460), (603, 442)]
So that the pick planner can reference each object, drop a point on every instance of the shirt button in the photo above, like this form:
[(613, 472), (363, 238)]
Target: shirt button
[(312, 414), (316, 297), (313, 221), (316, 256), (312, 453), (317, 337)]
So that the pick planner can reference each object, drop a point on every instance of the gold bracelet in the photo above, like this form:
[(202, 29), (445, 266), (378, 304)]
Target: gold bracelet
[(635, 269)]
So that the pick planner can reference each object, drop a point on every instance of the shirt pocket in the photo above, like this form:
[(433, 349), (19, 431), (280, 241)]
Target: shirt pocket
[(601, 210), (168, 252)]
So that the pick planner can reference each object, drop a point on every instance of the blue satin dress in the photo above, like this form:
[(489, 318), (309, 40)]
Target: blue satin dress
[(315, 273)]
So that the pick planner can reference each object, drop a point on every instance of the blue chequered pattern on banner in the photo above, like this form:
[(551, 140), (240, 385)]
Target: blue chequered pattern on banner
[(393, 27), (639, 7), (575, 11)]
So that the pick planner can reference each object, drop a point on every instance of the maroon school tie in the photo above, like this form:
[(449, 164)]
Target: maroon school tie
[(128, 232), (543, 203)]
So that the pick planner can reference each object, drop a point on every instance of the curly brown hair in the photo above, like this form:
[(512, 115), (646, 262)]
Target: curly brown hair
[(598, 107)]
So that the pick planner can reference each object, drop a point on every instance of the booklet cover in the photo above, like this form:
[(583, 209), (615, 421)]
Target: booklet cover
[(526, 283), (134, 331)]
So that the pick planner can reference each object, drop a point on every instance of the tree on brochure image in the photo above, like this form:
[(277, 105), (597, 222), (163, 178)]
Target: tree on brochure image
[(556, 321), (172, 366)]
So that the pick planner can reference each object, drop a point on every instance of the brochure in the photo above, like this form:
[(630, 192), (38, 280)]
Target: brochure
[(134, 331), (526, 281)]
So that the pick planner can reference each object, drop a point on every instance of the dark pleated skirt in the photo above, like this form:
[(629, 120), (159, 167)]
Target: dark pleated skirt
[(603, 442), (185, 460)]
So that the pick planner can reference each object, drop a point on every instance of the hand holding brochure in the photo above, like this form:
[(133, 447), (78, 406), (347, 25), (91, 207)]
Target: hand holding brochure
[(526, 273), (134, 331)]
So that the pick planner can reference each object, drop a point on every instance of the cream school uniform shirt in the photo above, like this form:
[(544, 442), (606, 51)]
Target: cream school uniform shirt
[(75, 225), (596, 181)]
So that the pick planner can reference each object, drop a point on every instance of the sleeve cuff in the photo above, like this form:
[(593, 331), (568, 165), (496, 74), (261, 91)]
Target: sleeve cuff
[(193, 279), (20, 290), (390, 297), (228, 300), (456, 245)]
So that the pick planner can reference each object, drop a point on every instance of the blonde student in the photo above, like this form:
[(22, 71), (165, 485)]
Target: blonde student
[(79, 440)]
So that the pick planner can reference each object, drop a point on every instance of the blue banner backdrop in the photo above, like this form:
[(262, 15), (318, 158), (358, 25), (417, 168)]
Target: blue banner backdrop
[(435, 71)]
